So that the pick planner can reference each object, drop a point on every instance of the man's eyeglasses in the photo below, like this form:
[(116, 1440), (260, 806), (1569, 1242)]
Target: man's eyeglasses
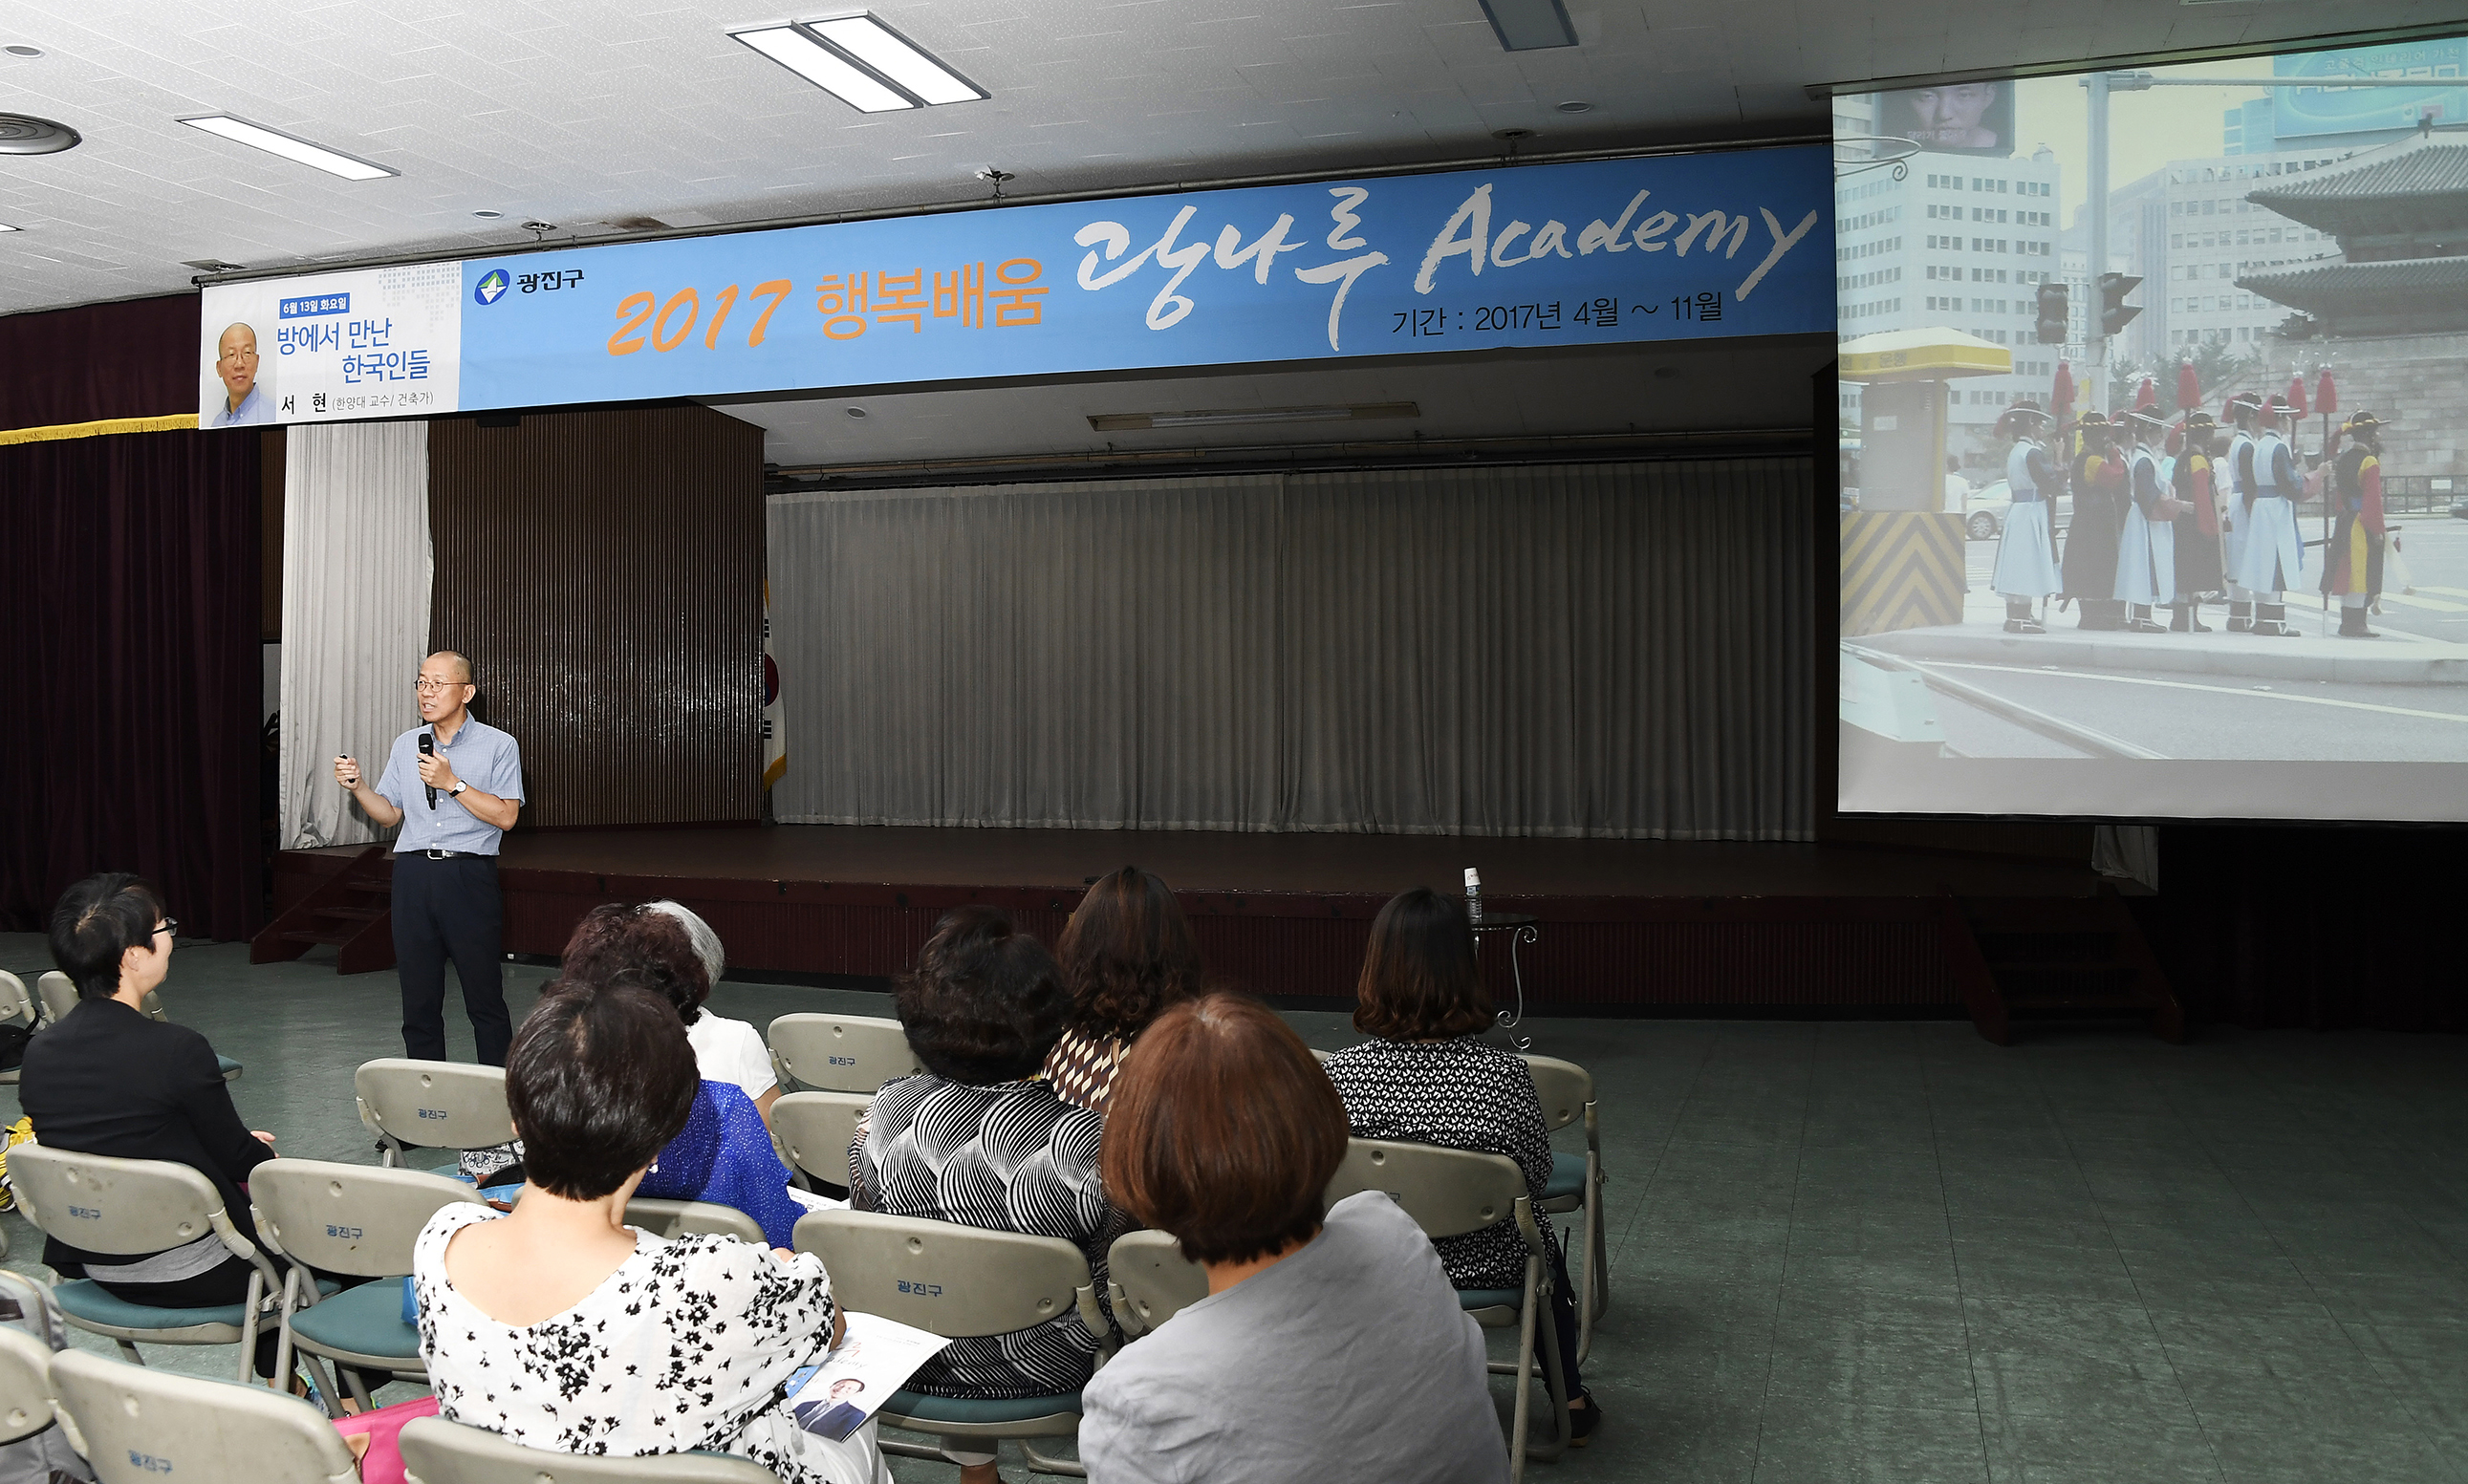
[(426, 686), (168, 924)]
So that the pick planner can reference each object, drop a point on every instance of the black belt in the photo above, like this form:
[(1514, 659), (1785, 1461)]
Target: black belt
[(449, 855)]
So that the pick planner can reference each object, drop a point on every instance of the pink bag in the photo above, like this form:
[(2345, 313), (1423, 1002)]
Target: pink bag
[(374, 1438)]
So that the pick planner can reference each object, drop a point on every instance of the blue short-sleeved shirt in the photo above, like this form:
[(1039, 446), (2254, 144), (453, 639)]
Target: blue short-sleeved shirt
[(483, 757)]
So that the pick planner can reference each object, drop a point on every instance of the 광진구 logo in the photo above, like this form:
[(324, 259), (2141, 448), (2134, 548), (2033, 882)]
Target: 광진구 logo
[(491, 288)]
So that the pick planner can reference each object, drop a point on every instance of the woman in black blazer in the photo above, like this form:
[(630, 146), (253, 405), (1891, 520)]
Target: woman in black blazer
[(109, 1079)]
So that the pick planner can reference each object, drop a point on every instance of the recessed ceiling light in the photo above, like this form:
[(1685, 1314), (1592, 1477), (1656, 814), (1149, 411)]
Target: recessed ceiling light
[(488, 216), (213, 265), (905, 63), (1574, 105), (856, 412), (1358, 412), (22, 133), (299, 152), (798, 51), (5, 227), (1529, 25), (20, 49)]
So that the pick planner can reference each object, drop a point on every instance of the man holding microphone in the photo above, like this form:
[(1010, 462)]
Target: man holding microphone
[(455, 785)]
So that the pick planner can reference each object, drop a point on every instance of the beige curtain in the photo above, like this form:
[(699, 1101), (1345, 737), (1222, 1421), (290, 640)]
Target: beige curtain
[(1586, 649), (356, 569)]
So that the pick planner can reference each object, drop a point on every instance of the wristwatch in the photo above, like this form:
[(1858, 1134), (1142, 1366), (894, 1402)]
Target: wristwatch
[(456, 792)]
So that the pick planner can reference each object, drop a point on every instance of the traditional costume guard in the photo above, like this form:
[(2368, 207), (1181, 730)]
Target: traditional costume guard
[(2092, 536), (2273, 558), (2198, 526), (2235, 471), (2352, 563), (2146, 560), (2025, 570)]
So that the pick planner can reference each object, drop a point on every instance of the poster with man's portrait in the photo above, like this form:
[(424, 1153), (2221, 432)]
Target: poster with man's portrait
[(1955, 118)]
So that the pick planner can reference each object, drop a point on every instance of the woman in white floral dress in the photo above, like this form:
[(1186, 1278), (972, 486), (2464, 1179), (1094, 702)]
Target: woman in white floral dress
[(563, 1329)]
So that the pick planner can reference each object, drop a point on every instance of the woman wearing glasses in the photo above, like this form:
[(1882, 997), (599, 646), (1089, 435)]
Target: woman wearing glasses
[(110, 1080)]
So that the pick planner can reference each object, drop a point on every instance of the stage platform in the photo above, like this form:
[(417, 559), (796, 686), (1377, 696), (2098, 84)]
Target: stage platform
[(1641, 927)]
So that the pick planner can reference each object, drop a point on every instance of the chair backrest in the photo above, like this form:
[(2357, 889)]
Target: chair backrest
[(1565, 1088), (688, 1218), (349, 1219), (16, 1003), (140, 1425), (438, 1451), (25, 1384), (118, 1206), (1321, 1056), (58, 994), (1448, 1192), (946, 1279), (435, 1105), (1153, 1279), (815, 1130), (841, 1053)]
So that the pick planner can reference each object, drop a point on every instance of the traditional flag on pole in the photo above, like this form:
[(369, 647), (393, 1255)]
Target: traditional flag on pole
[(775, 745)]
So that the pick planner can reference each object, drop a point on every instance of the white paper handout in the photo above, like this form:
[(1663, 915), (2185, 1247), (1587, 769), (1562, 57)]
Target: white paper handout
[(875, 1358)]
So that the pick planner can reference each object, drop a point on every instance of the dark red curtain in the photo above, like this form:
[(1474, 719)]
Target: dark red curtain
[(137, 358), (131, 606)]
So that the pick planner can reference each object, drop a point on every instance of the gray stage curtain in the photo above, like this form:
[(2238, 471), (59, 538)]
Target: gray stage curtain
[(1587, 649)]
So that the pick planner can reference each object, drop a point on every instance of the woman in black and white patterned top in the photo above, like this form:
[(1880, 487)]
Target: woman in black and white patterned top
[(1429, 1077), (1126, 955), (980, 1139), (563, 1329)]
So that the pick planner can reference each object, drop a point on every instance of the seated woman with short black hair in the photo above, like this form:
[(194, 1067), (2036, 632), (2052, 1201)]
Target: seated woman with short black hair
[(562, 1328), (1330, 1345), (980, 1139), (109, 1079), (1427, 1077)]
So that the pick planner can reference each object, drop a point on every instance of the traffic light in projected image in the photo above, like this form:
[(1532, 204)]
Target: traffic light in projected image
[(2114, 313), (2053, 315)]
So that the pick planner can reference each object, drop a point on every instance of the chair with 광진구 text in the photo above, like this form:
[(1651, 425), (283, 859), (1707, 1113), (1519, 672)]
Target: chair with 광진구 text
[(438, 1451), (841, 1053), (432, 1104), (139, 1425)]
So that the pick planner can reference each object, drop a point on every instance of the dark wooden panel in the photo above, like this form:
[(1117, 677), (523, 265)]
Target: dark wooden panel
[(604, 572)]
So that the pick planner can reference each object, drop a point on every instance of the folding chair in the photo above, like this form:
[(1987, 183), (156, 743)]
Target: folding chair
[(438, 1451), (674, 1218), (839, 1053), (814, 1130), (432, 1104), (58, 994), (1151, 1281), (958, 1282), (61, 997), (1449, 1191), (1568, 1093), (25, 1384), (356, 1221), (131, 1207), (145, 1427)]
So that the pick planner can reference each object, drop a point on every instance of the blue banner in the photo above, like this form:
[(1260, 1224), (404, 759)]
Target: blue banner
[(1676, 247)]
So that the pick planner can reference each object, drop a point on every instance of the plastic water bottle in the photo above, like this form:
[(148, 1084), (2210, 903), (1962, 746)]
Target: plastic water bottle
[(1473, 894)]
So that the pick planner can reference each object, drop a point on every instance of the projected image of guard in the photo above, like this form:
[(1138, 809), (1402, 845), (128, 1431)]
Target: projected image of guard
[(2026, 571), (2197, 536), (2097, 526), (2146, 555), (2272, 559), (2352, 563), (2235, 471)]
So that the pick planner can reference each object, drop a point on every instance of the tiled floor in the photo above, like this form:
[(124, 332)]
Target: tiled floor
[(1869, 1252)]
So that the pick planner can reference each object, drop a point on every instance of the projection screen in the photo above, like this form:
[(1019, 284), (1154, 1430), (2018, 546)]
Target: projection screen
[(2155, 488)]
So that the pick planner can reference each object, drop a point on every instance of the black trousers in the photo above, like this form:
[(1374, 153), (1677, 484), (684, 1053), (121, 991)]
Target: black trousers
[(450, 909), (227, 1284)]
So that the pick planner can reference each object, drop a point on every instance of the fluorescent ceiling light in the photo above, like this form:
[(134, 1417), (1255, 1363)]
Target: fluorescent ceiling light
[(1136, 422), (297, 150), (1529, 25), (896, 57), (5, 227), (794, 48)]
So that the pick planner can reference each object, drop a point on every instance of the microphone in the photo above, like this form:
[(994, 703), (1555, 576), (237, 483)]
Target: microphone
[(428, 748)]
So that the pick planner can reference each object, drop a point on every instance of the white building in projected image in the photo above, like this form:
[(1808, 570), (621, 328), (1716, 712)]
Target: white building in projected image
[(2188, 231), (1960, 242)]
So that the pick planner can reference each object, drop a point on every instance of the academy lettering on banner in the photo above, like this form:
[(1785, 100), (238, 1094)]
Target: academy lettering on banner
[(1675, 247)]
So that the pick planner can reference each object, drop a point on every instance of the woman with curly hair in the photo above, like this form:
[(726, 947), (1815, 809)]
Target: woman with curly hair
[(1126, 955)]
